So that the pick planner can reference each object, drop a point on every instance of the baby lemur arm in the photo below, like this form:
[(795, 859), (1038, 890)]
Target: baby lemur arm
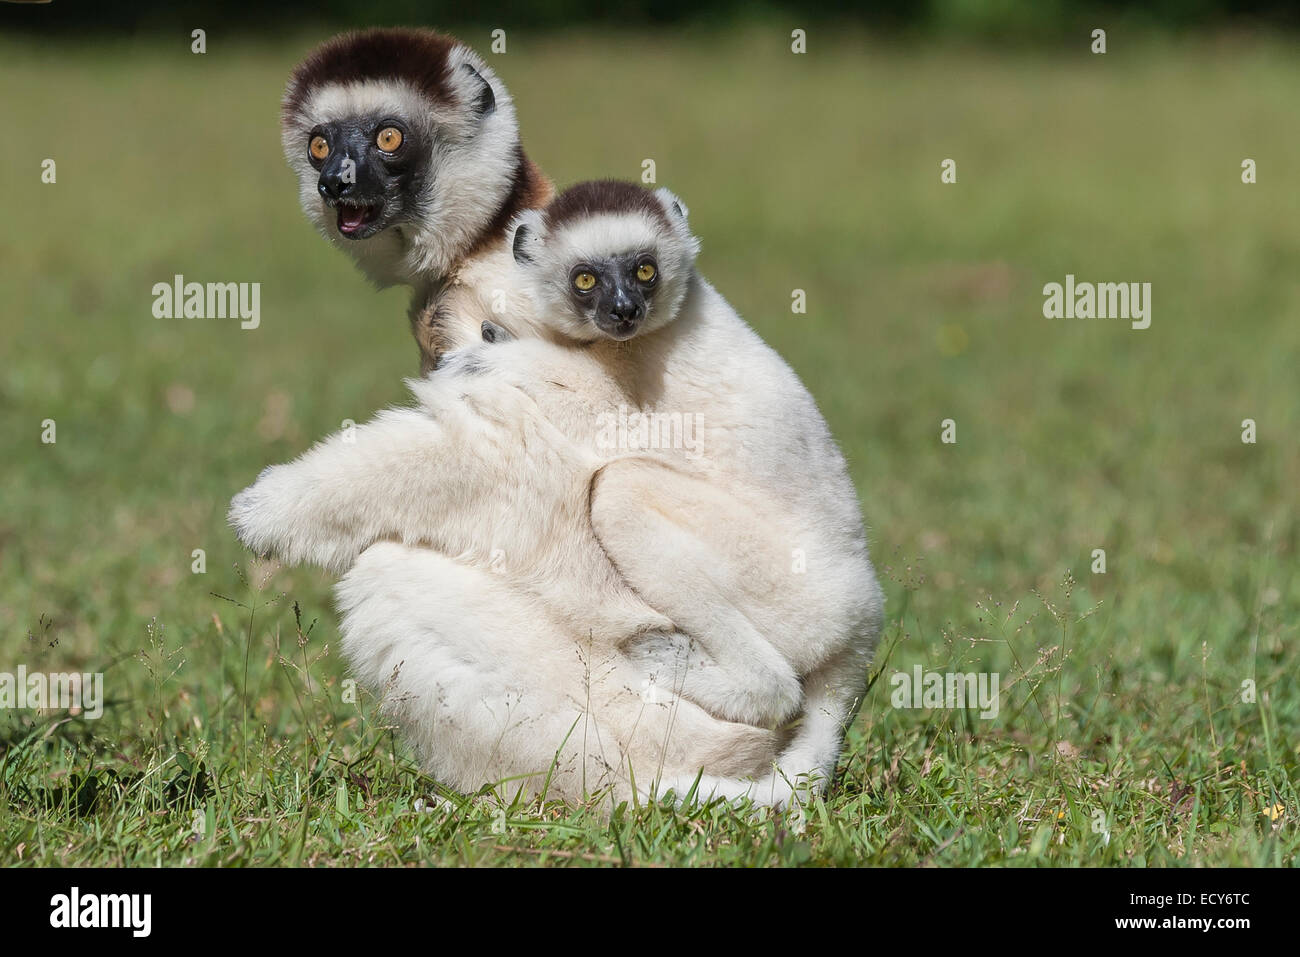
[(702, 559)]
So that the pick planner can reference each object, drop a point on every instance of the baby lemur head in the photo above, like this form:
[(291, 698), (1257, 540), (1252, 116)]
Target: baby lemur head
[(606, 259)]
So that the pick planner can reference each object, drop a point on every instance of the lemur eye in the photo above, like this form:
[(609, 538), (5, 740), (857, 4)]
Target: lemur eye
[(584, 282), (646, 272), (389, 139), (319, 148)]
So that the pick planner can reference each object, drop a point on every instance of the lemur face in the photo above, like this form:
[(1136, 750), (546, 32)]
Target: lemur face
[(372, 167), (614, 293), (372, 154), (406, 151), (606, 260)]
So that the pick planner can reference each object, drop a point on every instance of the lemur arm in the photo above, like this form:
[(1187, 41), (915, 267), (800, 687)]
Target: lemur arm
[(446, 475), (702, 559)]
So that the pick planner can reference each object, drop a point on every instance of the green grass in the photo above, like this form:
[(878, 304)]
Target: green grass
[(227, 738)]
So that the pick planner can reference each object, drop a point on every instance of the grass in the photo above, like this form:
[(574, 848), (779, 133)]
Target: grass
[(1123, 739)]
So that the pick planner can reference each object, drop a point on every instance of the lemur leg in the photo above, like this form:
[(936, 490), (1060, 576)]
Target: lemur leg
[(487, 690), (806, 765), (475, 679), (834, 694), (698, 557)]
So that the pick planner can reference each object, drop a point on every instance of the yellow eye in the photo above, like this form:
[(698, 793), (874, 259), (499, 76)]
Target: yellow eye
[(584, 282), (389, 139), (319, 148), (645, 272)]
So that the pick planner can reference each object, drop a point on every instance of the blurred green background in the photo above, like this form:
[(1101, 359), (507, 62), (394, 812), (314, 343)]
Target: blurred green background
[(819, 172), (1040, 19)]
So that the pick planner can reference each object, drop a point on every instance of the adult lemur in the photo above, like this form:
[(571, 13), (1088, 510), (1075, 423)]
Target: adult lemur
[(409, 157), (747, 545)]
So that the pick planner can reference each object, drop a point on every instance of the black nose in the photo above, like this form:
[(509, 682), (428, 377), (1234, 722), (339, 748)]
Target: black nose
[(624, 310), (338, 177), (332, 186)]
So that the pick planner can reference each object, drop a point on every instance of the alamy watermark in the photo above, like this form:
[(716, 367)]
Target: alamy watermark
[(179, 299), (133, 912), (625, 431), (1104, 300), (934, 689), (74, 692)]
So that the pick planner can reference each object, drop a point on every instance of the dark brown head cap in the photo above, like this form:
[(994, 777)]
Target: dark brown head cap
[(603, 196), (418, 57)]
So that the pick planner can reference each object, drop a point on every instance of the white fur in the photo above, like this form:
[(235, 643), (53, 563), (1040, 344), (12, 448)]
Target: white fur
[(539, 532), (524, 702), (509, 629)]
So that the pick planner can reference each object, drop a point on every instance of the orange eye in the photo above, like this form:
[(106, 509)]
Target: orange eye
[(389, 139), (319, 148)]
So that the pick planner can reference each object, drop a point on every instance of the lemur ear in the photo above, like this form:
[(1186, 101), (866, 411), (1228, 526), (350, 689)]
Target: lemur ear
[(675, 208), (484, 101), (524, 234)]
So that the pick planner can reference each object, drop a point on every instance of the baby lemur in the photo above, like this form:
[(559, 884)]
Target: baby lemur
[(749, 539)]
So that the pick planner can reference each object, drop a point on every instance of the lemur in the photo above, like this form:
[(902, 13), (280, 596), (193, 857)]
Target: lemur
[(408, 157), (745, 568), (750, 541)]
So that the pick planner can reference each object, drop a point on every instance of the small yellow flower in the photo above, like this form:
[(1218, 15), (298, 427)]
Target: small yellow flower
[(1275, 812)]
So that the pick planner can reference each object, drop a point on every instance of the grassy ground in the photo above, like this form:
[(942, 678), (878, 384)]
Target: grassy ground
[(1122, 736)]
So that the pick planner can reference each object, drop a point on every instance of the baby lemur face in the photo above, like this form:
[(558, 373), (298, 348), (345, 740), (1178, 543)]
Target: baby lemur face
[(614, 293), (606, 260)]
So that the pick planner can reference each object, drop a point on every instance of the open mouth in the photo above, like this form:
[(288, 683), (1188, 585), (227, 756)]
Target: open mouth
[(353, 219)]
